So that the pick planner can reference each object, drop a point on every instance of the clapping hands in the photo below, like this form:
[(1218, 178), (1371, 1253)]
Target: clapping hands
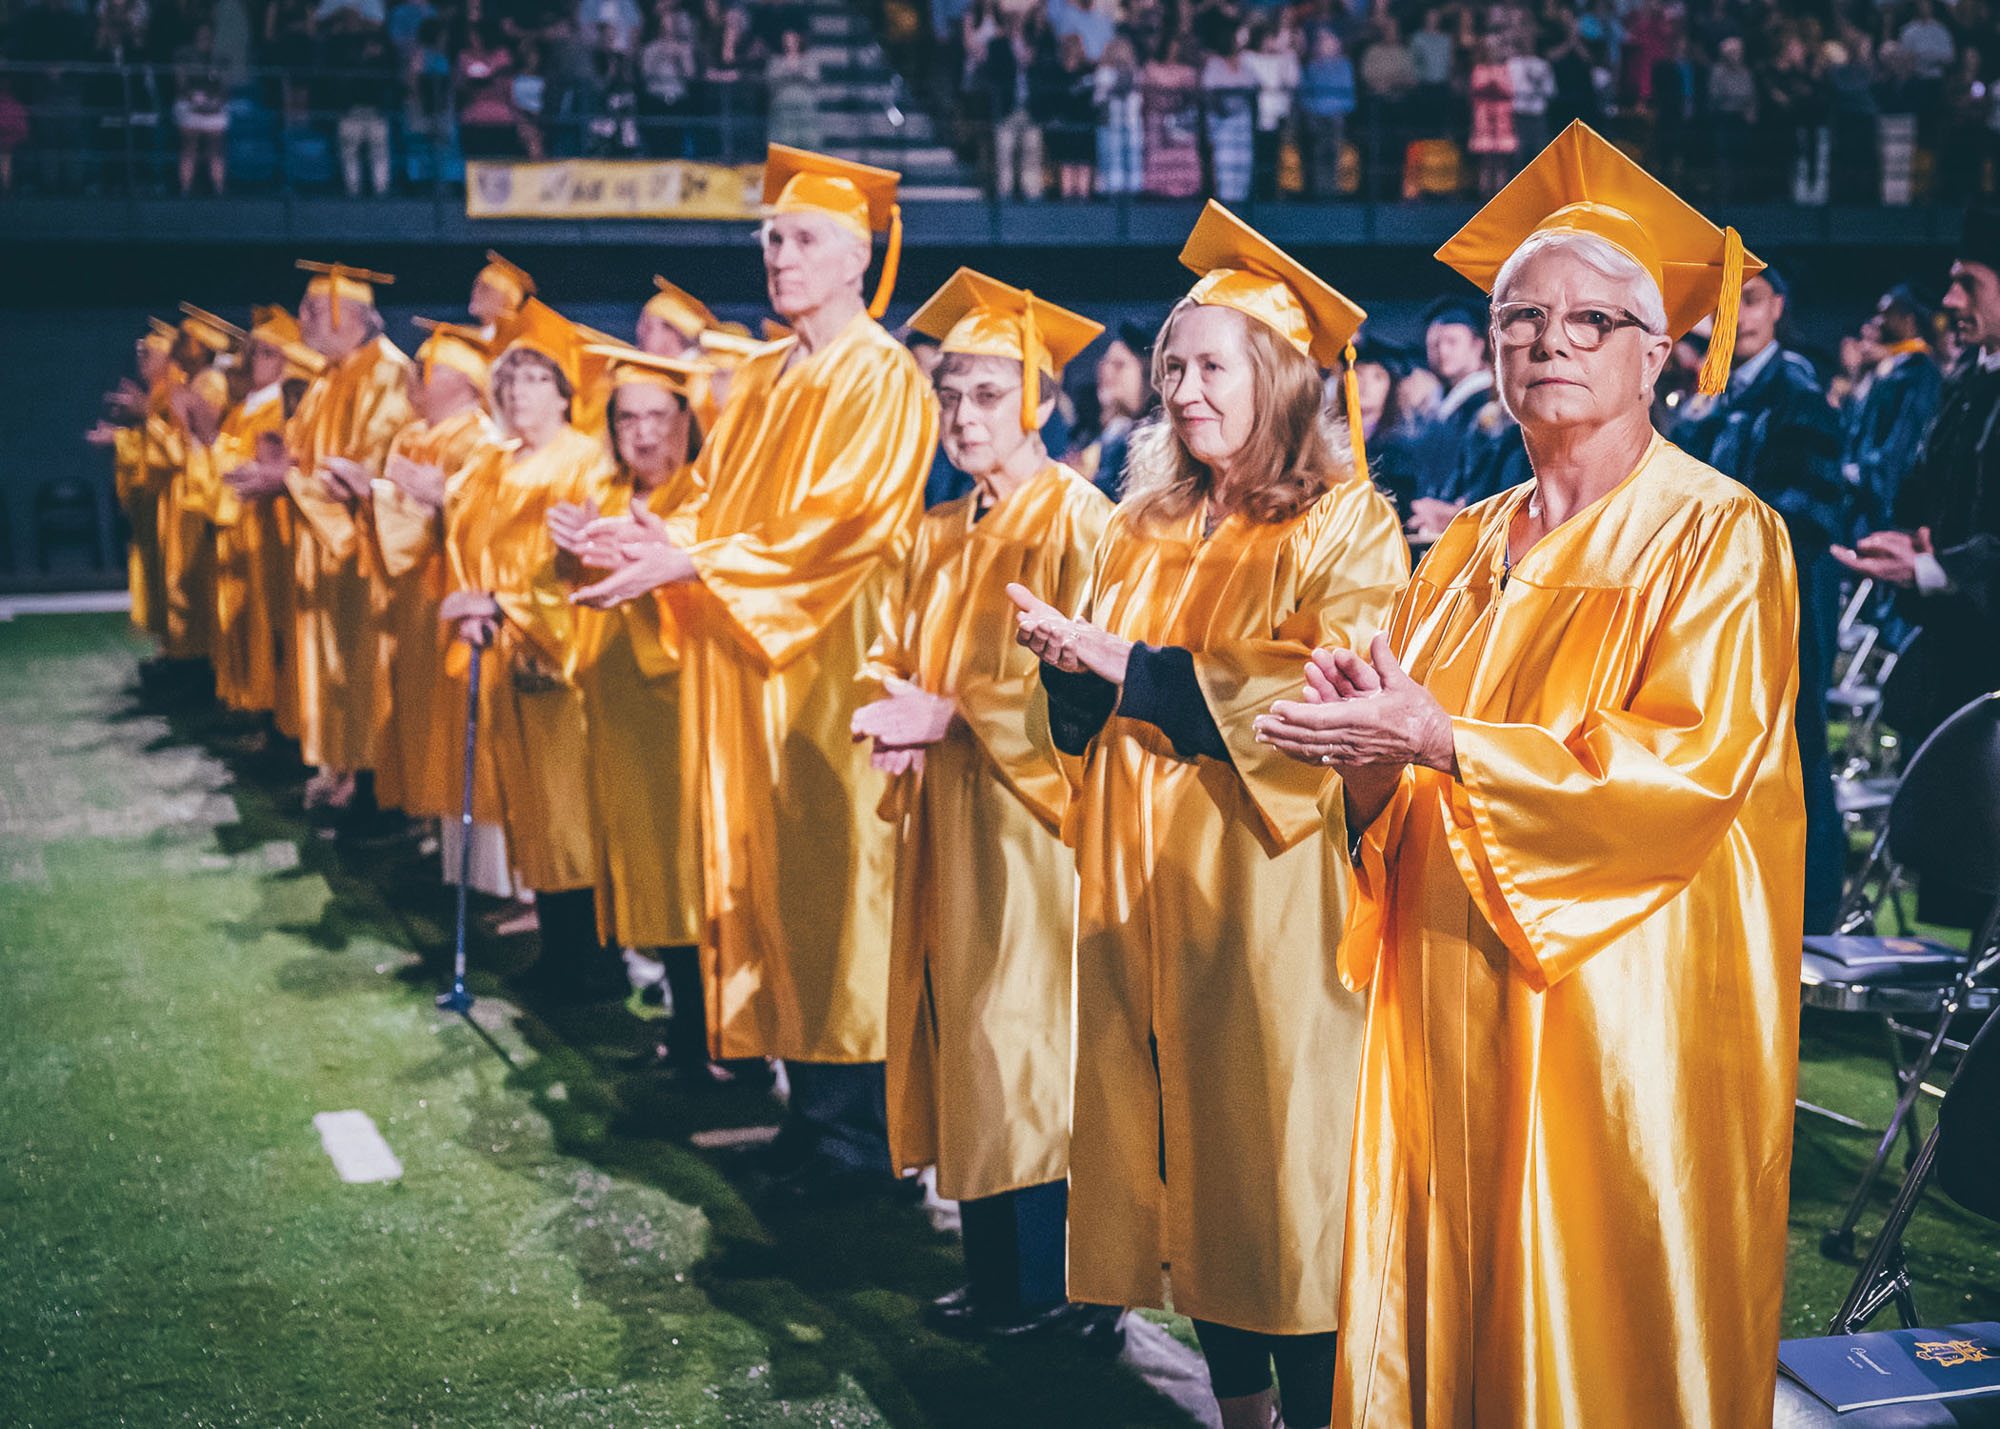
[(903, 724), (637, 550), (1066, 643)]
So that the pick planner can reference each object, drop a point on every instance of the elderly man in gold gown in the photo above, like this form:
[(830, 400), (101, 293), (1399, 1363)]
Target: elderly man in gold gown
[(335, 445), (1571, 769), (252, 608), (130, 408), (810, 488)]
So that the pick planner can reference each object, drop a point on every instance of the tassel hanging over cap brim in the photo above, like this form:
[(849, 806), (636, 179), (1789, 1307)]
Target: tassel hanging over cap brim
[(1352, 386), (1722, 342), (1031, 363), (892, 257)]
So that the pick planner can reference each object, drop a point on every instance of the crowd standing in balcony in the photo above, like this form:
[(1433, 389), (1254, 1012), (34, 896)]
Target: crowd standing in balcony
[(1060, 99), (1320, 98), (377, 92)]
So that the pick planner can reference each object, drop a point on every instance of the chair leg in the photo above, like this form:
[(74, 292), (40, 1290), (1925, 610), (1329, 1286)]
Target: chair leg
[(1884, 1276), (1838, 1243)]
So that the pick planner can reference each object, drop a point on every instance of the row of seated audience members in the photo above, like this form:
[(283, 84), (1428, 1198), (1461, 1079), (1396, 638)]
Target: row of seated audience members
[(522, 78), (1855, 103)]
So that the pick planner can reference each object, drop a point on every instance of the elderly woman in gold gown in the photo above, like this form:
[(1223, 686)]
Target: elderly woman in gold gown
[(1579, 837)]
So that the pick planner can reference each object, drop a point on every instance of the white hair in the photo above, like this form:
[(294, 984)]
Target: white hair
[(826, 224), (1602, 258)]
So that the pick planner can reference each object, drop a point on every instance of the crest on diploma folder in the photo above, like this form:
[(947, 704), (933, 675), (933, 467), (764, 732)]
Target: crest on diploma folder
[(1949, 1354)]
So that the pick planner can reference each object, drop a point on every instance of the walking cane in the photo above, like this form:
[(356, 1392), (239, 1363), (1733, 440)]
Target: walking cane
[(458, 999)]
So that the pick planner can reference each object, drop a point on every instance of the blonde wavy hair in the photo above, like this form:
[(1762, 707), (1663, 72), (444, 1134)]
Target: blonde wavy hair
[(1292, 457)]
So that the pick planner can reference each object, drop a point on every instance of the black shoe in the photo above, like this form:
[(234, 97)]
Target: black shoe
[(818, 1184), (1100, 1329), (952, 1312)]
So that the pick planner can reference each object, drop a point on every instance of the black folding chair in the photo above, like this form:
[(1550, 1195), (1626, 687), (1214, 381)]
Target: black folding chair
[(1943, 824), (1962, 1156), (66, 517)]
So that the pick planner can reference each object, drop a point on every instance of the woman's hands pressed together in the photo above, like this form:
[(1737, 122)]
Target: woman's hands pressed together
[(1360, 713)]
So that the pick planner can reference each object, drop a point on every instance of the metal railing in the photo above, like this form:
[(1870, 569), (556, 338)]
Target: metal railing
[(117, 129)]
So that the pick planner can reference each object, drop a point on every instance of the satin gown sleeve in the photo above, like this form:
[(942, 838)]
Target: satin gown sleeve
[(1352, 564), (1569, 839)]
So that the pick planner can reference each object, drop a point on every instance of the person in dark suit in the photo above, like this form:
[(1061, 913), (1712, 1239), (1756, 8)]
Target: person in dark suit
[(1458, 351), (1772, 430), (1941, 549)]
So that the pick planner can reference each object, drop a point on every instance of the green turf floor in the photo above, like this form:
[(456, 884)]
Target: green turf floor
[(188, 974)]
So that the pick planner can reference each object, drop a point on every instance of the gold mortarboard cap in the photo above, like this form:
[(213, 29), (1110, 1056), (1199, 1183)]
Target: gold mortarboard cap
[(452, 345), (271, 324), (540, 328), (303, 361), (629, 365), (159, 336), (861, 197), (1583, 184), (985, 317), (679, 309), (508, 278), (338, 280), (214, 333), (730, 344), (211, 385), (1244, 270)]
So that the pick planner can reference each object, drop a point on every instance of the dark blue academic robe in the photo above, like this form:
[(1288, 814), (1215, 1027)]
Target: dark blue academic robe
[(1776, 434)]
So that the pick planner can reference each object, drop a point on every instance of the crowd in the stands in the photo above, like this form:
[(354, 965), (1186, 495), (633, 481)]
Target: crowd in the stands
[(1732, 99), (371, 95)]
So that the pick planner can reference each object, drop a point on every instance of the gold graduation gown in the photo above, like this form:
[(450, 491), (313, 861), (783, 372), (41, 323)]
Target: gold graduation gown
[(421, 742), (143, 574), (186, 545), (1575, 1121), (353, 409), (160, 457), (245, 648), (979, 970), (531, 735), (627, 663), (811, 486), (1209, 1008)]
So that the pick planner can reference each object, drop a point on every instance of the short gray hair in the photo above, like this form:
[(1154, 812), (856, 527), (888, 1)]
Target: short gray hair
[(1602, 258)]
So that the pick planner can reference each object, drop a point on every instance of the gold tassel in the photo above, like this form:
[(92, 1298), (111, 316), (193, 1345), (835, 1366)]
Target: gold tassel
[(891, 257), (1722, 341), (1031, 362), (1352, 385)]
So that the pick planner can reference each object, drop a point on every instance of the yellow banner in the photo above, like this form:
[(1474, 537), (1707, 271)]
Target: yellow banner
[(613, 188)]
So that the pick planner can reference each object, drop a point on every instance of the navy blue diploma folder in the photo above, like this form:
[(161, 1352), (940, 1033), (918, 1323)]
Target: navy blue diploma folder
[(1897, 1366)]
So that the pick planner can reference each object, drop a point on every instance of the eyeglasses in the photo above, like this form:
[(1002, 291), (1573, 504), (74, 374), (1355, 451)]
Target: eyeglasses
[(1523, 324)]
